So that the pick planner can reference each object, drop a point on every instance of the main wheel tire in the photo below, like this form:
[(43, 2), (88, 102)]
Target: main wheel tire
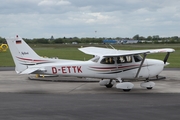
[(149, 88), (109, 86), (126, 90)]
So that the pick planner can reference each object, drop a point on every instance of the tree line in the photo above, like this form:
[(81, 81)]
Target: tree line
[(64, 40)]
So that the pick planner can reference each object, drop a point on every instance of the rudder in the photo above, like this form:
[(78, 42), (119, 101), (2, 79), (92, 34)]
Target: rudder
[(23, 55)]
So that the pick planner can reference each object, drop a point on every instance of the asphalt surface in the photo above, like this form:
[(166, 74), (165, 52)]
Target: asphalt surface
[(24, 99), (89, 106)]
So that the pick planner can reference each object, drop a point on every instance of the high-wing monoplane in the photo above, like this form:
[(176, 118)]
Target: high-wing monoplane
[(109, 65)]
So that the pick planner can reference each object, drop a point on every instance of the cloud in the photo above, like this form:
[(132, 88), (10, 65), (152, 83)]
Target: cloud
[(53, 2), (111, 18)]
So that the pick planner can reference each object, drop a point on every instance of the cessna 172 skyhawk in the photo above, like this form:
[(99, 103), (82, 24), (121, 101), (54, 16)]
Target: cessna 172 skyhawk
[(107, 64)]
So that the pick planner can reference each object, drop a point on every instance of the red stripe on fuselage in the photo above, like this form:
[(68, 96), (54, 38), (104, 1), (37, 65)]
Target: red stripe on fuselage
[(127, 66), (114, 67), (104, 67), (28, 59)]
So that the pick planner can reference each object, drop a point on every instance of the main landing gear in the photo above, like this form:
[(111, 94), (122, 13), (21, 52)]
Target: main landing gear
[(125, 86), (147, 84), (107, 83)]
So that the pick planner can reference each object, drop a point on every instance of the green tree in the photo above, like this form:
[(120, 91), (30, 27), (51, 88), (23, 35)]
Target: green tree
[(136, 37), (41, 40), (2, 40), (149, 38), (142, 38), (58, 40)]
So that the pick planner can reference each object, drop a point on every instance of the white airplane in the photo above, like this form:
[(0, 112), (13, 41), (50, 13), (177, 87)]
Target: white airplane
[(107, 64)]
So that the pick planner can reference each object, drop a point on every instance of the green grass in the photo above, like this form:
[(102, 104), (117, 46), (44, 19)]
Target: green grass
[(71, 52)]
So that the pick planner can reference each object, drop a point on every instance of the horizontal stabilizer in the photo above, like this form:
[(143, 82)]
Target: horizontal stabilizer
[(31, 70)]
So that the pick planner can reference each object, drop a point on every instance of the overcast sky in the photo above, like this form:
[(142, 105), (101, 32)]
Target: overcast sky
[(89, 18)]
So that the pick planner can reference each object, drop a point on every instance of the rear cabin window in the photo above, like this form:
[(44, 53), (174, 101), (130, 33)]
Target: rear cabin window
[(95, 59), (108, 60)]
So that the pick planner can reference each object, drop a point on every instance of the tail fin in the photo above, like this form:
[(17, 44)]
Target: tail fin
[(23, 55)]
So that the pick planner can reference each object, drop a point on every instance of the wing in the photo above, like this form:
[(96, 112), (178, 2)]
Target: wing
[(106, 52), (163, 50)]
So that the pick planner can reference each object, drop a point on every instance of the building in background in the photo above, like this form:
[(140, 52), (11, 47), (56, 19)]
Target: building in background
[(109, 41)]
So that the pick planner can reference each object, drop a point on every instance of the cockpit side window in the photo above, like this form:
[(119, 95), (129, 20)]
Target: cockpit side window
[(124, 59), (108, 60), (137, 58)]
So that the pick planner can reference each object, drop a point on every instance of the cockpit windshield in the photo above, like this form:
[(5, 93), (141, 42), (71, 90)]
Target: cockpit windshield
[(137, 58)]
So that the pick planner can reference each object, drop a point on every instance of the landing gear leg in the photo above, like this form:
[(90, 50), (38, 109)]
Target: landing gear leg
[(157, 77)]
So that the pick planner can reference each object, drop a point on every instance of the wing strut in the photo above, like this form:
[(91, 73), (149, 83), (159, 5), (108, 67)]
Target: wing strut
[(144, 56), (166, 57), (112, 47)]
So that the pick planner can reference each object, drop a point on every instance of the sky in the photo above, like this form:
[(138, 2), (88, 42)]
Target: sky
[(89, 18)]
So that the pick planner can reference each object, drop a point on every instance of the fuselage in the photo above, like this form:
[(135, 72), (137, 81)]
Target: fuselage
[(104, 67)]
